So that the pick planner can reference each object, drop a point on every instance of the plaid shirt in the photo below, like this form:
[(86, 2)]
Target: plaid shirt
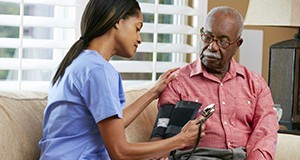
[(244, 114)]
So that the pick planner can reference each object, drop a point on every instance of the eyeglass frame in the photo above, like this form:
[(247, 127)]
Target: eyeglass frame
[(217, 40)]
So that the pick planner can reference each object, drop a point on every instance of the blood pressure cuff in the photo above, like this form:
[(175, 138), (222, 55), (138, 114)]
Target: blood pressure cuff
[(162, 120), (170, 119)]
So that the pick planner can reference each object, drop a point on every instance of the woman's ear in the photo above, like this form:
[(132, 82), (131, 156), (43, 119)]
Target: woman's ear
[(116, 26)]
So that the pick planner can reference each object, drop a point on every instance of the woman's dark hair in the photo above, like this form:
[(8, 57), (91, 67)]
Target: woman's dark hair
[(98, 17)]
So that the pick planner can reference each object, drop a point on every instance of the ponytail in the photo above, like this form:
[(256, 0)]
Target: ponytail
[(74, 51)]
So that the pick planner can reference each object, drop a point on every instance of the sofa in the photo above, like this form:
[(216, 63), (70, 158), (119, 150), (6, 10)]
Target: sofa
[(21, 115)]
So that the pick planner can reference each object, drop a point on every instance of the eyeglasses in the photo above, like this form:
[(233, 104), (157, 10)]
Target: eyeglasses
[(207, 38)]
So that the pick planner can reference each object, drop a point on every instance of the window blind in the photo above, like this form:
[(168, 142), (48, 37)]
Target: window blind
[(36, 34)]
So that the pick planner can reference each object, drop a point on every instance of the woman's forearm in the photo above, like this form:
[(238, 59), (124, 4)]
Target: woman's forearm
[(113, 133), (131, 111)]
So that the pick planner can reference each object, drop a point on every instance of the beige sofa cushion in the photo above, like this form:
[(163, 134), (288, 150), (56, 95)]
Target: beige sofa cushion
[(140, 129), (20, 123)]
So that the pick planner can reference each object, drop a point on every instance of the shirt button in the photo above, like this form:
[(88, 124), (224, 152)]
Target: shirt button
[(221, 84), (229, 143), (248, 102), (225, 123), (223, 102)]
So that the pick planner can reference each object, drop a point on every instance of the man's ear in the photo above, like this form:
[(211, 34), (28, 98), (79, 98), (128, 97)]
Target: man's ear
[(240, 42)]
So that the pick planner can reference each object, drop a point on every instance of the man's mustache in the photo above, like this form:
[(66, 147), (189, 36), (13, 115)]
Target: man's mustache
[(203, 49), (209, 53)]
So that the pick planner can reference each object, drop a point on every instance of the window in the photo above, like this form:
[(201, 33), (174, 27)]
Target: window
[(36, 34)]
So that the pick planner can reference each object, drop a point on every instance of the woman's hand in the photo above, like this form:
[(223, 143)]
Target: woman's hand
[(163, 81), (190, 131)]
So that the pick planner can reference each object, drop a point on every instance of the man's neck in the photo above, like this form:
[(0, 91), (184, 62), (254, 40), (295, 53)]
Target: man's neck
[(220, 74)]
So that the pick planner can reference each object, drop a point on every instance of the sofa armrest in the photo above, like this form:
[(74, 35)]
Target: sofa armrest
[(288, 146), (21, 116)]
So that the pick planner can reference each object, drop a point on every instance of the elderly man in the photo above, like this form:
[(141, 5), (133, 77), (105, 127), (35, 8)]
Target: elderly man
[(244, 124)]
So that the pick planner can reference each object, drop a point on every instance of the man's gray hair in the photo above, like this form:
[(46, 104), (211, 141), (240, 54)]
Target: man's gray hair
[(227, 10)]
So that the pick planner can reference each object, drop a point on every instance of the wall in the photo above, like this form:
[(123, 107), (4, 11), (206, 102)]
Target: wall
[(271, 35)]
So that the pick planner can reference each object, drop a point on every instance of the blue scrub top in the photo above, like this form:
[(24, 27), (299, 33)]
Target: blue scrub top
[(90, 91)]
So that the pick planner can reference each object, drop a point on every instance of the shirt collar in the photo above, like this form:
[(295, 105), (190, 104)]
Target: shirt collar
[(235, 69), (196, 67)]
